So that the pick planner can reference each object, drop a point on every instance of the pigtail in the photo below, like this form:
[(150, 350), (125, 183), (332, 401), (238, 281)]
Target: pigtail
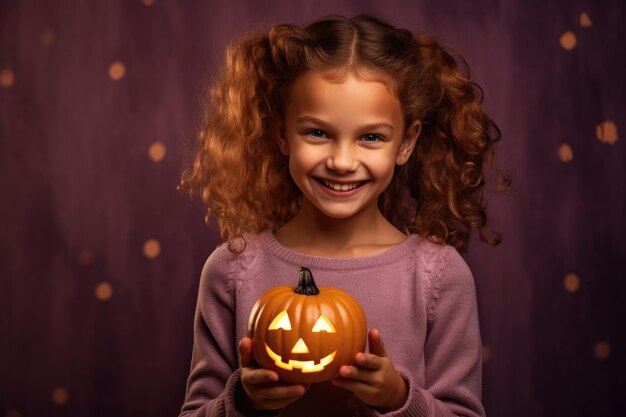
[(287, 44), (454, 154), (239, 173)]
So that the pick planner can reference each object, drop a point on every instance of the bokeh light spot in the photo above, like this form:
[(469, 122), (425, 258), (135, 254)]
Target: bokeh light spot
[(104, 291), (565, 153), (117, 70), (157, 151), (568, 40), (151, 248), (85, 257), (148, 2), (602, 350), (486, 353), (48, 37), (607, 132), (571, 282), (584, 20), (60, 396), (7, 78)]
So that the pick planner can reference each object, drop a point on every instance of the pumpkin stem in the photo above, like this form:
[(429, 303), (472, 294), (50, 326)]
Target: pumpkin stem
[(306, 285)]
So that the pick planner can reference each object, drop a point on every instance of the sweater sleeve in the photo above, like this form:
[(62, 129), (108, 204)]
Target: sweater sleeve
[(452, 351), (214, 374)]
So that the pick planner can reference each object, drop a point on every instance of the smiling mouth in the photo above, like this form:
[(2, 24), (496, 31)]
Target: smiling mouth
[(305, 366), (339, 187)]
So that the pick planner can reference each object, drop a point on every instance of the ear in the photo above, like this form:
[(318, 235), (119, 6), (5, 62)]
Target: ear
[(408, 143), (283, 145)]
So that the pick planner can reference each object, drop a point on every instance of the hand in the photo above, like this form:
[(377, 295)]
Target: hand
[(374, 380), (264, 390)]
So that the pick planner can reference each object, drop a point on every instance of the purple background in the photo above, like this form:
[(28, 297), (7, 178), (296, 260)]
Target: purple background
[(76, 178)]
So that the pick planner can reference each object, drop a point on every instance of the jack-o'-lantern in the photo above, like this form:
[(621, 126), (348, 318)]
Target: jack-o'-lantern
[(305, 334)]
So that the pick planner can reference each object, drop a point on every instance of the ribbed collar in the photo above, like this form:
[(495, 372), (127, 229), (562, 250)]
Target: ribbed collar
[(403, 250)]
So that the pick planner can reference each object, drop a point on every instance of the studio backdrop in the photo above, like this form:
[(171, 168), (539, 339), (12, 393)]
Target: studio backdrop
[(101, 257)]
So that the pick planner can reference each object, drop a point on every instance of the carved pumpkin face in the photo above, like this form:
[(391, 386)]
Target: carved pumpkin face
[(306, 334)]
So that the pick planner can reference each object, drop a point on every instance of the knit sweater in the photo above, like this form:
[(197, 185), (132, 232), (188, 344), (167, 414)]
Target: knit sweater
[(420, 296)]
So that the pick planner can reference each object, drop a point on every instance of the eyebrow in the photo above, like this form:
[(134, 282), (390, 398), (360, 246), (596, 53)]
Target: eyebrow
[(369, 126)]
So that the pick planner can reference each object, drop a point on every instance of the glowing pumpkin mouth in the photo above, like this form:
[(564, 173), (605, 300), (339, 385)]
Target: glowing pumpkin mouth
[(305, 366)]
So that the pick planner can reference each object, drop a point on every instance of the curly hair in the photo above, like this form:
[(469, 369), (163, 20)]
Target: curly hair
[(243, 179)]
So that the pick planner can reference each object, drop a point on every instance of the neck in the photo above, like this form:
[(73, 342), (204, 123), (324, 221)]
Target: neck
[(314, 231)]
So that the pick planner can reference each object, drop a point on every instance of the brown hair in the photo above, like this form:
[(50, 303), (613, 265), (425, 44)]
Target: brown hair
[(242, 177)]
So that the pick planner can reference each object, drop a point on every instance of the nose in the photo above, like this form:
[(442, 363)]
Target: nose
[(300, 347), (342, 158)]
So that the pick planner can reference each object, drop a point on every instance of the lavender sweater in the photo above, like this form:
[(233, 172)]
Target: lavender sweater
[(419, 295)]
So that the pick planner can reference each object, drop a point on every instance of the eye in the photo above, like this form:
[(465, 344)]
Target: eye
[(317, 133), (371, 137), (323, 325), (281, 321)]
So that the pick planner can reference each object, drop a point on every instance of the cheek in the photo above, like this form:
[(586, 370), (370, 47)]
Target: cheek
[(295, 169), (303, 160), (382, 166)]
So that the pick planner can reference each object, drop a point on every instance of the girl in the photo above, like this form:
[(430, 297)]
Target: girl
[(358, 150)]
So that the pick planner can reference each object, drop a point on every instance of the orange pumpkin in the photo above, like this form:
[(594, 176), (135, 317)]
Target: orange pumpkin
[(305, 334)]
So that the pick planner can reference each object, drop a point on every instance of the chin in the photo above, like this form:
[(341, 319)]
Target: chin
[(338, 215)]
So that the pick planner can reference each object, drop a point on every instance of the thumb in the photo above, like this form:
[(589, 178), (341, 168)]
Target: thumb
[(245, 352), (376, 345)]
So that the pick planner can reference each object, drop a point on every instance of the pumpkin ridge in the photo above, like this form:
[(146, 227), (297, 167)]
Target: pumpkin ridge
[(285, 304), (343, 315), (275, 302), (319, 310), (355, 314)]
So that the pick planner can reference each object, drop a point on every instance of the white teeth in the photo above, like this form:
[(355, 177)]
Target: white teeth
[(338, 187)]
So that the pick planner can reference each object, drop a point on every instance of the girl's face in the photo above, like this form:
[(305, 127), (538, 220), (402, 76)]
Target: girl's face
[(344, 140)]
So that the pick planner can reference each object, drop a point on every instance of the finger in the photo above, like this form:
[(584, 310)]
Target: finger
[(376, 343), (245, 352), (369, 361), (357, 387), (357, 373), (258, 376)]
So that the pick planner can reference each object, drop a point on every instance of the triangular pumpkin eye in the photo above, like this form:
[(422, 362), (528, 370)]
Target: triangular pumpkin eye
[(281, 321), (323, 325)]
